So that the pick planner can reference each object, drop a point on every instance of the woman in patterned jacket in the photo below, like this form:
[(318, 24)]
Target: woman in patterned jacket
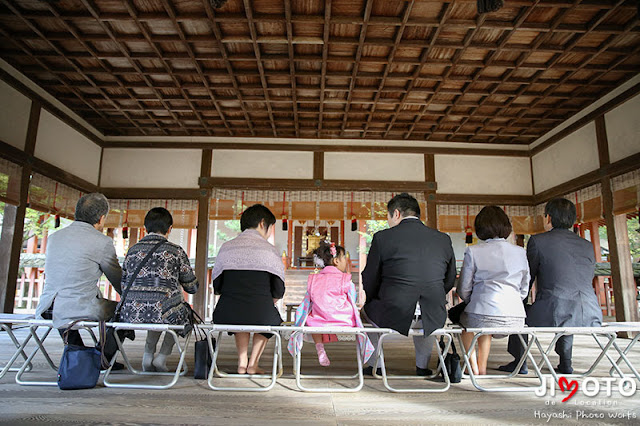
[(155, 297)]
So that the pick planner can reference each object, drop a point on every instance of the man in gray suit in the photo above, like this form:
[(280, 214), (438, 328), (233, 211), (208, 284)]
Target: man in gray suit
[(563, 264), (77, 256)]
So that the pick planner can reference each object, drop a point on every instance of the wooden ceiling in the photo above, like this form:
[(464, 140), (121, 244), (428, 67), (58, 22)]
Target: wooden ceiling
[(373, 69)]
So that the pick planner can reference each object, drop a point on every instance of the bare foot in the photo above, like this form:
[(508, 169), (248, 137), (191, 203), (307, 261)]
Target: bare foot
[(242, 370), (255, 370)]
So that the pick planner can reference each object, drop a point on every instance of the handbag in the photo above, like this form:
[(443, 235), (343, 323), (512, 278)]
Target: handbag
[(80, 365), (455, 312), (110, 346), (451, 365), (202, 354)]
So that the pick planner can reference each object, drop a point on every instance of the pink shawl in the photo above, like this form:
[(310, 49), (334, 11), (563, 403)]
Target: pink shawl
[(248, 252)]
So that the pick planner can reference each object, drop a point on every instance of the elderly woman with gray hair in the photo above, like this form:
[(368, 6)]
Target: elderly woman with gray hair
[(77, 256)]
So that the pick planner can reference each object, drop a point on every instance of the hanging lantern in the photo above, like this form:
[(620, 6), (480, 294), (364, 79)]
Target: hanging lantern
[(285, 225), (468, 238), (354, 222), (125, 225), (57, 218)]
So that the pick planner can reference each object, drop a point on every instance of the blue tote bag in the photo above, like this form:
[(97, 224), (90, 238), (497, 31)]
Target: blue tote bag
[(79, 367)]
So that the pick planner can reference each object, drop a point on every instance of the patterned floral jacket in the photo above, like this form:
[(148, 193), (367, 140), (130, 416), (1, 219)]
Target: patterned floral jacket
[(156, 294)]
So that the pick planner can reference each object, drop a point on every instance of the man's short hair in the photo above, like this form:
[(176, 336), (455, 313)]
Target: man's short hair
[(405, 204), (562, 213), (492, 222), (158, 220), (252, 216), (91, 207)]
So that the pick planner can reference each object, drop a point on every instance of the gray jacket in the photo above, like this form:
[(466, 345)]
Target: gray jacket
[(77, 256), (494, 279), (564, 265)]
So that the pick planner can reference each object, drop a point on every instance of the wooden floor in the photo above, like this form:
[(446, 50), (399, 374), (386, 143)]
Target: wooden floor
[(192, 402)]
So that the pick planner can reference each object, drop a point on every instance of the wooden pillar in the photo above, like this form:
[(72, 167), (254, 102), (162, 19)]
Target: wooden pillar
[(622, 281), (202, 238), (598, 282), (8, 287), (430, 194)]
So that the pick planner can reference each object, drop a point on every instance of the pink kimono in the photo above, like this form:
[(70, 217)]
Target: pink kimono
[(330, 301), (329, 293)]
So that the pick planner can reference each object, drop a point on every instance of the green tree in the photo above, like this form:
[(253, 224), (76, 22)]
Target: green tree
[(633, 230), (371, 227), (222, 237)]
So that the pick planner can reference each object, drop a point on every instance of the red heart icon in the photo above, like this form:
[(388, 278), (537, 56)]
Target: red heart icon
[(570, 386)]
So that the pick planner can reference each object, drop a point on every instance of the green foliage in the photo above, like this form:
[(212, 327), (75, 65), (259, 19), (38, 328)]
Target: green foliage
[(233, 226), (633, 230), (372, 226)]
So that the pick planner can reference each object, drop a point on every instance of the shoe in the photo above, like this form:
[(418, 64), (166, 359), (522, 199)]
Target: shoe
[(512, 366), (147, 362), (323, 359), (368, 371), (423, 372), (564, 370), (160, 363), (117, 366)]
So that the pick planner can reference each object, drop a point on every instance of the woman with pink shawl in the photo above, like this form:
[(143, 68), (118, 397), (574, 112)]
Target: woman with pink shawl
[(249, 277)]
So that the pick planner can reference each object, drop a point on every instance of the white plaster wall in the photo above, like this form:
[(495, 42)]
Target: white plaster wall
[(364, 166), (623, 129), (487, 175), (61, 145), (569, 158), (14, 116), (262, 164), (151, 168)]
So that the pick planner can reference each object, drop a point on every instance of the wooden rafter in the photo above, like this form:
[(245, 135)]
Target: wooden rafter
[(392, 70)]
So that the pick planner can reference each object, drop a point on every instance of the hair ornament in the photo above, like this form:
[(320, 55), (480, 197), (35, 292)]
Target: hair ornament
[(333, 250), (318, 261)]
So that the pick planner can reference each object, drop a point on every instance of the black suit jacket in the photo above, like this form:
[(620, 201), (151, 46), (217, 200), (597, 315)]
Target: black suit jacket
[(407, 263), (564, 265)]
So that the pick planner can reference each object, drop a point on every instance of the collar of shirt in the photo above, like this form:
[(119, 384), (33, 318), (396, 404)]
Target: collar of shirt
[(410, 217)]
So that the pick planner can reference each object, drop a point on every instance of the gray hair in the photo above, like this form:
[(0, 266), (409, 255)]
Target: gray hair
[(91, 207)]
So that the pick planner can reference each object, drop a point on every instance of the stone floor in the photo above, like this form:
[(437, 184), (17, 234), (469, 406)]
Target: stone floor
[(192, 402)]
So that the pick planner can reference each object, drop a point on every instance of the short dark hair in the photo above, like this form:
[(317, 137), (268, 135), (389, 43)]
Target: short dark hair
[(158, 220), (405, 204), (324, 252), (562, 213), (91, 207), (492, 222), (252, 216)]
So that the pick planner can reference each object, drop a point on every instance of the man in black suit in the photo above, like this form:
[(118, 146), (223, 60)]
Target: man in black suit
[(563, 264), (408, 263)]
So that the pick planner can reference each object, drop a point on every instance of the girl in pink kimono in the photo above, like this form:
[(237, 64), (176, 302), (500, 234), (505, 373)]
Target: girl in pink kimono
[(330, 301)]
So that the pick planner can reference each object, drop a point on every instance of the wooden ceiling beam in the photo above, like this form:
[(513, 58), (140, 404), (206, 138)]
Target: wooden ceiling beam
[(356, 64), (91, 51), (172, 13), (256, 50), (215, 28)]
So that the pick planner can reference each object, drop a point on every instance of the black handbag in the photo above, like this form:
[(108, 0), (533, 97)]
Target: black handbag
[(80, 365), (202, 354), (456, 311), (110, 346), (451, 363)]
